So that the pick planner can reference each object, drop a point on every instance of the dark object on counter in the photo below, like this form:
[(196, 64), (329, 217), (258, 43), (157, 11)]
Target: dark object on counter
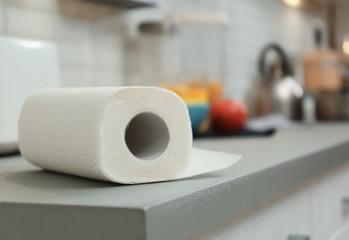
[(332, 105), (344, 96), (328, 105), (8, 149), (344, 104), (277, 91), (246, 132)]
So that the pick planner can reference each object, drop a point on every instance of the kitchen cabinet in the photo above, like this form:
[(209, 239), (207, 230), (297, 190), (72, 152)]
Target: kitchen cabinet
[(329, 199), (288, 215), (318, 209)]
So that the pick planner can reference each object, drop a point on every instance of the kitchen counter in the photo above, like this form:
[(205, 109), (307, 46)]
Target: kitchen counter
[(37, 204)]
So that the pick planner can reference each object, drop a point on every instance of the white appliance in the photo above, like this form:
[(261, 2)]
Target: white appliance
[(25, 67)]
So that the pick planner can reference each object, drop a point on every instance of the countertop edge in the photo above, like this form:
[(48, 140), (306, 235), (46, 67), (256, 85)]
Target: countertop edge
[(50, 221), (201, 209)]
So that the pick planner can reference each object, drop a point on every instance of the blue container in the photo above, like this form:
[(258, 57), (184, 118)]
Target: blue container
[(198, 114)]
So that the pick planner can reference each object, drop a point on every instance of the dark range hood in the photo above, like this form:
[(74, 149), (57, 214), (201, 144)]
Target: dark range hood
[(127, 3)]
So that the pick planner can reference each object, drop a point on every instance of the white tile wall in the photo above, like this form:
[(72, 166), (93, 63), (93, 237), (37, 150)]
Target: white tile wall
[(2, 18), (76, 77), (29, 24), (254, 23), (87, 57), (92, 53)]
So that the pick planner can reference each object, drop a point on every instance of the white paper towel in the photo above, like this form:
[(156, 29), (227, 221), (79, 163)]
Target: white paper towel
[(120, 134)]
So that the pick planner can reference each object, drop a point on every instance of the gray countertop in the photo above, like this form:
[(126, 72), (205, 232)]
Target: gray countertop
[(39, 204)]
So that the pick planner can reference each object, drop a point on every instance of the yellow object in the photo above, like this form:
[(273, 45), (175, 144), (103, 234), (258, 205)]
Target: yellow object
[(196, 96), (180, 90), (198, 91), (215, 90), (188, 94)]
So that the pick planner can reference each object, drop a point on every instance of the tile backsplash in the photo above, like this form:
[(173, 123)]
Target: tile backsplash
[(89, 36)]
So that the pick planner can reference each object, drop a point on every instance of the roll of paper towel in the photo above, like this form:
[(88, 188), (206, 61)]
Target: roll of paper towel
[(121, 134)]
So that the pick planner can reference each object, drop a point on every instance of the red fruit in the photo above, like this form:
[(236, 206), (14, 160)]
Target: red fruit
[(228, 116)]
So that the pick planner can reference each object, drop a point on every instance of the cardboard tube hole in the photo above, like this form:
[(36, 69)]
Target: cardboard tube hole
[(147, 136)]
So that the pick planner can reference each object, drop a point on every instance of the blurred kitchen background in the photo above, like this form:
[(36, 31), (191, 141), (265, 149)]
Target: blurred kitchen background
[(286, 56), (89, 34)]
